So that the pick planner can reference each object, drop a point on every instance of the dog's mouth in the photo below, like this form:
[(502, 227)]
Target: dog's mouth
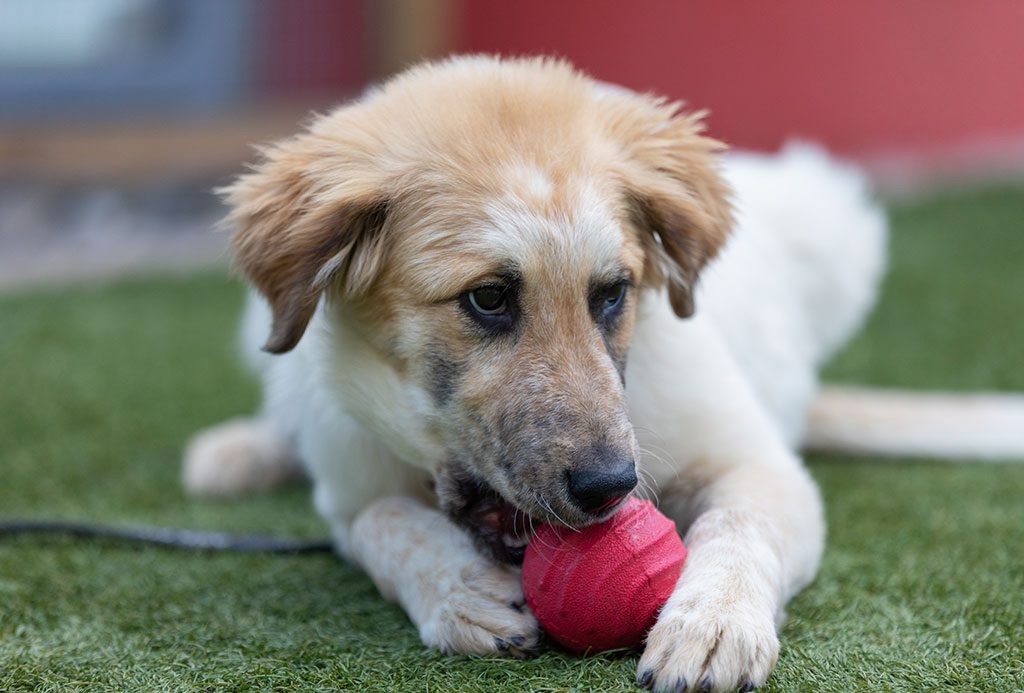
[(498, 527)]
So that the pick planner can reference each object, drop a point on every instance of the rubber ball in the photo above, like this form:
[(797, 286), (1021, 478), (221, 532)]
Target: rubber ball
[(601, 587)]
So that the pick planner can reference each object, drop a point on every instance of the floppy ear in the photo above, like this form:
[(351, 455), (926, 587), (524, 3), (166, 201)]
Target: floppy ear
[(674, 194), (307, 216)]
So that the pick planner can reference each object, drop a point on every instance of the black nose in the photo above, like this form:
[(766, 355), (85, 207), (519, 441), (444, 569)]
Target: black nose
[(601, 479)]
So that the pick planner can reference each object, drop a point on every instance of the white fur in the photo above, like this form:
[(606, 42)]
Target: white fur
[(237, 456), (799, 276), (588, 241), (982, 426), (462, 603), (719, 400), (535, 183), (775, 278)]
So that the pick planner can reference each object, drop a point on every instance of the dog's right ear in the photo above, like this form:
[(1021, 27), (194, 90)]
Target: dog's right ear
[(310, 214)]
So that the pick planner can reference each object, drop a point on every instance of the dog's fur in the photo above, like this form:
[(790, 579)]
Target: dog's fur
[(422, 425)]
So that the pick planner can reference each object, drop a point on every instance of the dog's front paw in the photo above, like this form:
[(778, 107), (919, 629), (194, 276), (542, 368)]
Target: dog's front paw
[(481, 610), (709, 640)]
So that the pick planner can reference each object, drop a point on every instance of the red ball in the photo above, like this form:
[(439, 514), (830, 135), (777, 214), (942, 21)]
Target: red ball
[(601, 588)]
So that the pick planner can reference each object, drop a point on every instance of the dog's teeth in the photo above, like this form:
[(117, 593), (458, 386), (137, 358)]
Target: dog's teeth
[(515, 541)]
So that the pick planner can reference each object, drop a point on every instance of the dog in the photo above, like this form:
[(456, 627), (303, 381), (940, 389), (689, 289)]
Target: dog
[(496, 292)]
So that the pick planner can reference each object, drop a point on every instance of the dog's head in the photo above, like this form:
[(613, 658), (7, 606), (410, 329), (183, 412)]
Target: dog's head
[(489, 226)]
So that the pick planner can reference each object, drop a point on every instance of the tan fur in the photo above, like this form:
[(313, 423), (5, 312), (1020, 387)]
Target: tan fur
[(385, 214), (400, 163)]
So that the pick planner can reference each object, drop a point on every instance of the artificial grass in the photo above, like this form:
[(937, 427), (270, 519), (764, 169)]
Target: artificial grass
[(922, 586)]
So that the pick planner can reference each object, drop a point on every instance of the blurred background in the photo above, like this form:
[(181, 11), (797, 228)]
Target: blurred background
[(117, 117), (118, 319)]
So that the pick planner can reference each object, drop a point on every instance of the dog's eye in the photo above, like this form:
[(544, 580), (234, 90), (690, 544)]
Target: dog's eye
[(489, 300), (612, 296), (606, 302)]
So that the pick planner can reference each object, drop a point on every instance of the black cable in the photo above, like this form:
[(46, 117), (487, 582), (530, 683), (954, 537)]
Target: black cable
[(171, 537)]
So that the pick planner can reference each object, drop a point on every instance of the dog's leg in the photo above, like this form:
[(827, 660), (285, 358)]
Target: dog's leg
[(755, 544), (237, 456), (460, 601)]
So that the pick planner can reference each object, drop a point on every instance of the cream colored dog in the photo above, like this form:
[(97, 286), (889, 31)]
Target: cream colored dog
[(479, 283)]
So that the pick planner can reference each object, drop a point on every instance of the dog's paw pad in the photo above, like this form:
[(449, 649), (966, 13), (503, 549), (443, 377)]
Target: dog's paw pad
[(482, 614), (709, 647)]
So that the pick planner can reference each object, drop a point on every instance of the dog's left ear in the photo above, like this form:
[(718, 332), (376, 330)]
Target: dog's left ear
[(674, 193)]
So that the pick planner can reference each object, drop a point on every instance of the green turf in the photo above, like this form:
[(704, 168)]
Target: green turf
[(922, 586)]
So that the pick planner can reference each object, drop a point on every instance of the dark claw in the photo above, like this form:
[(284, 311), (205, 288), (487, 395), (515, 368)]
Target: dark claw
[(681, 685), (500, 644), (645, 679), (705, 685), (746, 687), (517, 640)]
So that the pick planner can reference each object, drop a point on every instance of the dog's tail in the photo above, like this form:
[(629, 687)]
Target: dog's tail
[(983, 426)]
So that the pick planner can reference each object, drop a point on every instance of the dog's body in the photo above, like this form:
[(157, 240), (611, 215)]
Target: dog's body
[(386, 399)]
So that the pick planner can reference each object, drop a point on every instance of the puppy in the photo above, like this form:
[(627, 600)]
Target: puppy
[(480, 286)]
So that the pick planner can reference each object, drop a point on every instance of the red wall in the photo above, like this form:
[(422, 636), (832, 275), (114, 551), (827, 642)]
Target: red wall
[(310, 46), (864, 76)]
